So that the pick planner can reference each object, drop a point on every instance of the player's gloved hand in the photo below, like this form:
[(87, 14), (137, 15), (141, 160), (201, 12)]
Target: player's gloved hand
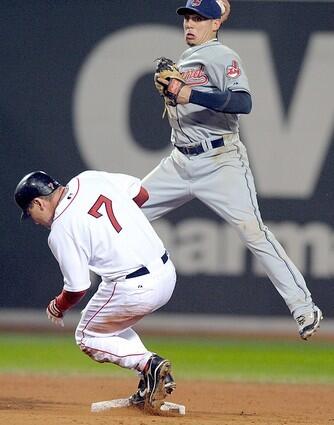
[(54, 314), (168, 80)]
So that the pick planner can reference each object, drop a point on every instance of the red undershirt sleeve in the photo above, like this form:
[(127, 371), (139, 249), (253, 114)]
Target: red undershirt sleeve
[(142, 197), (67, 299)]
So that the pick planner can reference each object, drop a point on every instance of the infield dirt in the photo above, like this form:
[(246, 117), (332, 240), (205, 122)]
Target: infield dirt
[(49, 400)]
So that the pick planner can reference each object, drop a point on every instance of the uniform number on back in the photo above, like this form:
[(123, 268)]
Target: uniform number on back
[(94, 211)]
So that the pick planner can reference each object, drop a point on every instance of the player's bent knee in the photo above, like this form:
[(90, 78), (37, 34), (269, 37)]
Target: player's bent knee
[(96, 355), (250, 231)]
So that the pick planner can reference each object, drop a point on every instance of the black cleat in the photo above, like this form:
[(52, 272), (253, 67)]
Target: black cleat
[(138, 398), (155, 377)]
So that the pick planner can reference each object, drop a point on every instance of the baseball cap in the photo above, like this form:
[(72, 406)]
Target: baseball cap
[(209, 9), (33, 185)]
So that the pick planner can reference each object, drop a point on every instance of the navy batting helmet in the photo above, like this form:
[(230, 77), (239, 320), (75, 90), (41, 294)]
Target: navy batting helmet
[(33, 185)]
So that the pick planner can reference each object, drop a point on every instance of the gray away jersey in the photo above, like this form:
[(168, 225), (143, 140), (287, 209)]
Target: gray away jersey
[(210, 67)]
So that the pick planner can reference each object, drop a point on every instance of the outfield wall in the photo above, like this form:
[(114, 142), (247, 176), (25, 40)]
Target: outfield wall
[(76, 93)]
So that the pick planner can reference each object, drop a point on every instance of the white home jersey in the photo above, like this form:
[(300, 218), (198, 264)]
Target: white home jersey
[(97, 226)]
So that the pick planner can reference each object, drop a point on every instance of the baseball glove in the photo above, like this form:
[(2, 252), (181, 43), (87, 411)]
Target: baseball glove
[(168, 80)]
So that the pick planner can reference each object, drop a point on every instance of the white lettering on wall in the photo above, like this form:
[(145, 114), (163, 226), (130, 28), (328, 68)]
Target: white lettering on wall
[(208, 247), (102, 94), (288, 151)]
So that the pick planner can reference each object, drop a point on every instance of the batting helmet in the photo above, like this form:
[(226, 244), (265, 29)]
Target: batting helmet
[(33, 185)]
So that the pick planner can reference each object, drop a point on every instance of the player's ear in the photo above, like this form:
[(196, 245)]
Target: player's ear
[(216, 23), (38, 202)]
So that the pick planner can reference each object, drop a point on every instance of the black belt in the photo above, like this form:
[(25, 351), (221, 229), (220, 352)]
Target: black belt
[(196, 150), (144, 270)]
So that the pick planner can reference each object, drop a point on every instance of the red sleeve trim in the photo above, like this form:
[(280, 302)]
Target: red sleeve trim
[(142, 197), (67, 299)]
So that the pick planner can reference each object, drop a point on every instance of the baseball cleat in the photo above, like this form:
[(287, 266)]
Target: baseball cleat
[(309, 323), (170, 384), (138, 398), (155, 376)]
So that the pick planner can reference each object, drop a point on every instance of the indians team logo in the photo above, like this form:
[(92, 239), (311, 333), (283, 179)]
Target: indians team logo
[(195, 77), (233, 71), (196, 3)]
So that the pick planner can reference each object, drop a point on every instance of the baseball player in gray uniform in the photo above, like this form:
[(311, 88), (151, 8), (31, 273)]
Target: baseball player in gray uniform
[(209, 162)]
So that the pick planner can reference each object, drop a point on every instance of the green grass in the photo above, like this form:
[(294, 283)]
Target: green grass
[(229, 359)]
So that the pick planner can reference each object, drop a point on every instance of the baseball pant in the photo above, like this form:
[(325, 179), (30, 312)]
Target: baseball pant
[(105, 330), (222, 179)]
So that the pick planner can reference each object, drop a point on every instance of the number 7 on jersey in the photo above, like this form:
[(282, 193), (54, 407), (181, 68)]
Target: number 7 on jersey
[(94, 211)]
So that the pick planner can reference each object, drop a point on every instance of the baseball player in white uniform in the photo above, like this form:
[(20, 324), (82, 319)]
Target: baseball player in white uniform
[(209, 162), (96, 224)]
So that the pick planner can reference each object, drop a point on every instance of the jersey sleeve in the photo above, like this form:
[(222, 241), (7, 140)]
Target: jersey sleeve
[(129, 184), (72, 259), (227, 73), (142, 197)]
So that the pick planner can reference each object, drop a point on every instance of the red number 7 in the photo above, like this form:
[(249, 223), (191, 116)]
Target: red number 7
[(94, 211)]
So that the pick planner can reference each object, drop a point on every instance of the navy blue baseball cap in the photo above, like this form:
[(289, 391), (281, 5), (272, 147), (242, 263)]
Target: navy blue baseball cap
[(209, 9)]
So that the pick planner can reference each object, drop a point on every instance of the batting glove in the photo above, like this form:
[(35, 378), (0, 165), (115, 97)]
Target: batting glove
[(54, 314)]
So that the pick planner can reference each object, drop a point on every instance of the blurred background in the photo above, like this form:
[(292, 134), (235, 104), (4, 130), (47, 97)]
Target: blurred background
[(77, 93)]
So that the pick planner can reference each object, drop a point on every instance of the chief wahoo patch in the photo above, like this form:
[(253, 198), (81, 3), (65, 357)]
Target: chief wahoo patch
[(233, 71)]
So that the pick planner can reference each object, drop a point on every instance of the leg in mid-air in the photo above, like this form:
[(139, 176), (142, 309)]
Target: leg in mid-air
[(168, 187), (231, 193)]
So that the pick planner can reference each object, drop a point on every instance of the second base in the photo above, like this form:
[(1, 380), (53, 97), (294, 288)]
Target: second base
[(168, 407)]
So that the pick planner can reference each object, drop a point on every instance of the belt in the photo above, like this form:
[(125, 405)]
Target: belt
[(196, 150), (144, 270)]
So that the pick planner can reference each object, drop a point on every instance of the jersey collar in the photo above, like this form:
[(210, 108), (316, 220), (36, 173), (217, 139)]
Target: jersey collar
[(72, 190)]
